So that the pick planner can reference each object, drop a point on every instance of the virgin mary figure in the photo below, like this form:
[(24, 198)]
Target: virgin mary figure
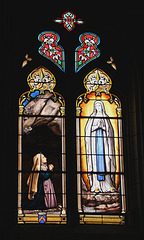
[(100, 150)]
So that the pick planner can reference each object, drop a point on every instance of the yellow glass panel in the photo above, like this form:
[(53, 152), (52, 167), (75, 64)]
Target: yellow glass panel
[(87, 110), (99, 152)]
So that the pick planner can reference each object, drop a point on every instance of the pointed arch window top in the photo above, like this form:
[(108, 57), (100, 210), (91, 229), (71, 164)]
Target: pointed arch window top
[(41, 82), (41, 79), (98, 84), (97, 80)]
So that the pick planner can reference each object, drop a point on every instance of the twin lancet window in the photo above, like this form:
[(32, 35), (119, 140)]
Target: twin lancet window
[(42, 152)]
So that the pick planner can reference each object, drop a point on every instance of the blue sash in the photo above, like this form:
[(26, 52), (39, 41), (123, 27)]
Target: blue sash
[(100, 154)]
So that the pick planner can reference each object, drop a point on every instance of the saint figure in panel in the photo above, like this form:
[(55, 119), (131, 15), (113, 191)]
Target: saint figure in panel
[(100, 150)]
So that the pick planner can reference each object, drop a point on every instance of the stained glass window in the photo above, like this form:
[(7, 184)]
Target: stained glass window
[(87, 51), (100, 166), (69, 20), (41, 151), (51, 49)]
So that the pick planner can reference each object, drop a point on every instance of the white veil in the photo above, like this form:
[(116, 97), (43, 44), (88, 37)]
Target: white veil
[(108, 140)]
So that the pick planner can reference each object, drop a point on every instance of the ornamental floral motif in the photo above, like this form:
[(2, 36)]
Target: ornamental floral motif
[(97, 80), (87, 51), (69, 20), (50, 48)]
